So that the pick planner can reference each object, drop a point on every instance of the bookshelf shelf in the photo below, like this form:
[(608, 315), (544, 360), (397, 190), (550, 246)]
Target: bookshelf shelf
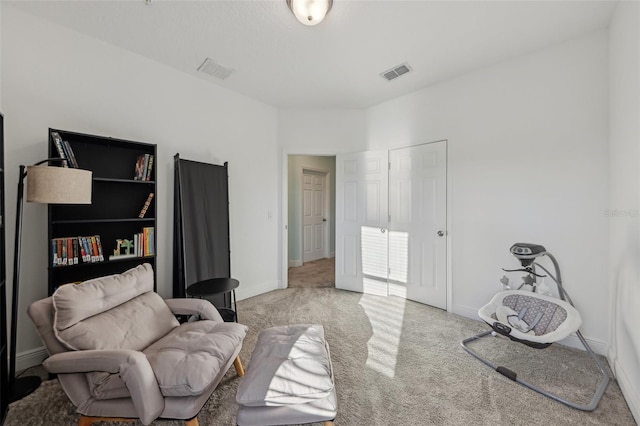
[(140, 182), (138, 259), (117, 199), (133, 219)]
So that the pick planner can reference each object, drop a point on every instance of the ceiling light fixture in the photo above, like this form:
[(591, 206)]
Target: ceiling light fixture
[(310, 12)]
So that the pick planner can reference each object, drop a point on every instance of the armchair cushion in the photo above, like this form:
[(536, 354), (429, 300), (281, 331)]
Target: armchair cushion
[(192, 355), (114, 312)]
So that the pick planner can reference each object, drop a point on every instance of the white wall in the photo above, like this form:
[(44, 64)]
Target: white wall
[(321, 132), (54, 77), (528, 162), (624, 86)]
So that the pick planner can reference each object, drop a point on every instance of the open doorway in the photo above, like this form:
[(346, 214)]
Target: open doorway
[(311, 220)]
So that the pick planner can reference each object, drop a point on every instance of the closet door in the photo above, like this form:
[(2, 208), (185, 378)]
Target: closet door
[(361, 222), (417, 223), (391, 223)]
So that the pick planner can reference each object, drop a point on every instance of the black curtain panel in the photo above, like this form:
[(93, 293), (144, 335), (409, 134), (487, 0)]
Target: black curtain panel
[(201, 226)]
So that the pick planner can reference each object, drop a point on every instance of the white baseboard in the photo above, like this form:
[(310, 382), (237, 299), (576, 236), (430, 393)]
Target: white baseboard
[(465, 311), (598, 346), (295, 263), (30, 358), (629, 390), (245, 292)]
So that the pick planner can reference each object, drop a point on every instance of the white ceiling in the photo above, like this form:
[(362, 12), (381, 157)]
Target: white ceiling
[(337, 63)]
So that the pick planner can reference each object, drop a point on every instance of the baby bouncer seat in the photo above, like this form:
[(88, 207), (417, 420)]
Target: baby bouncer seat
[(534, 319)]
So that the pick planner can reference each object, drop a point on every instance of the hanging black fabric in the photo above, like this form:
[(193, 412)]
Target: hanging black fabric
[(201, 225)]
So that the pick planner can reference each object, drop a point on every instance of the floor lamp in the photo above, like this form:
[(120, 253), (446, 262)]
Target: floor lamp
[(49, 185)]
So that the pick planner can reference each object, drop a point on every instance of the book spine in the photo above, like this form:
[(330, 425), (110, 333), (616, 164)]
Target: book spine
[(57, 141), (145, 236), (54, 252), (69, 251), (83, 252), (75, 250), (149, 168), (94, 249), (87, 248), (64, 251), (139, 168), (87, 252), (66, 153), (99, 244), (146, 167), (152, 237), (59, 250), (72, 157)]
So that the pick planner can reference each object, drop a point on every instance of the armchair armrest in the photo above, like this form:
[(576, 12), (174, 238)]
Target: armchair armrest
[(189, 306), (133, 367)]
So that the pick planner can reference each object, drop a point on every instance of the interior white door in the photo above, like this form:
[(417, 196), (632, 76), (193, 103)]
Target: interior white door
[(313, 216), (417, 223), (361, 221)]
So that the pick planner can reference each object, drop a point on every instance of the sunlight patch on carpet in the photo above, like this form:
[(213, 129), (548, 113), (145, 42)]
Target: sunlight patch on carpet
[(386, 316)]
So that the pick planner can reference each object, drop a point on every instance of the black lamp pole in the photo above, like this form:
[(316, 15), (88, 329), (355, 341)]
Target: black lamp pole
[(21, 386)]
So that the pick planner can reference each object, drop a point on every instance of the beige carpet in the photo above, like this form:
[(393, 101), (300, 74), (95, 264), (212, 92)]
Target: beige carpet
[(396, 363), (317, 274)]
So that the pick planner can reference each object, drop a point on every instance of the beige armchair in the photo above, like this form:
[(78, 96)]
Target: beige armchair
[(119, 351)]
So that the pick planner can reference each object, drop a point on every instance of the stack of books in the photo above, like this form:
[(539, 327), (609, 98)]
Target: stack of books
[(67, 251), (144, 165), (64, 151)]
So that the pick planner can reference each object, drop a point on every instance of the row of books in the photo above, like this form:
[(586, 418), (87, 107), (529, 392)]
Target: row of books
[(144, 165), (64, 151), (74, 250), (142, 244)]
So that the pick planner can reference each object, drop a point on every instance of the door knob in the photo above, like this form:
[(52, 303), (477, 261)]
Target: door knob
[(440, 233), (324, 220)]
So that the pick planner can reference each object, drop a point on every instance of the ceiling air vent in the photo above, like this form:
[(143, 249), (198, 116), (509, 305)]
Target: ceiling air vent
[(211, 67), (396, 72)]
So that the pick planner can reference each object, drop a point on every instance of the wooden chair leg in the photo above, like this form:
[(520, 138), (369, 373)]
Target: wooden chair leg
[(88, 421), (238, 365), (192, 422), (329, 423)]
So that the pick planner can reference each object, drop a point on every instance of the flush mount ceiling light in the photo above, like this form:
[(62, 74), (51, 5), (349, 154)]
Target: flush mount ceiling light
[(310, 12)]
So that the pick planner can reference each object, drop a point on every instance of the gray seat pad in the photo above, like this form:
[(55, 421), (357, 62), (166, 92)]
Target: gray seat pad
[(289, 365), (189, 358), (185, 361)]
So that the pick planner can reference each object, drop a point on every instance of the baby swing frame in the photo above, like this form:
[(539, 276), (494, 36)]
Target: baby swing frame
[(527, 253)]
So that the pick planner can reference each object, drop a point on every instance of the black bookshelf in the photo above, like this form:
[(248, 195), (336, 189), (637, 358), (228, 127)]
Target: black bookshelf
[(4, 354), (117, 199)]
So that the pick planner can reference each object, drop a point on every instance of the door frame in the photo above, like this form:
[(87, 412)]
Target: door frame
[(326, 211), (284, 210)]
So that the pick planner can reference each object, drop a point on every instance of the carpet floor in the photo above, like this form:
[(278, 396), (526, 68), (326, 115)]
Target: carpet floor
[(316, 274), (398, 363)]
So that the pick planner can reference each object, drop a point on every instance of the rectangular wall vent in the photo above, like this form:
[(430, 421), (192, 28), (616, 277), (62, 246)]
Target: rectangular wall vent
[(211, 67), (396, 71)]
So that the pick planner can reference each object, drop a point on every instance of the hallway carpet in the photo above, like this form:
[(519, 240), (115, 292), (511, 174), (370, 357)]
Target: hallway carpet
[(317, 274)]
